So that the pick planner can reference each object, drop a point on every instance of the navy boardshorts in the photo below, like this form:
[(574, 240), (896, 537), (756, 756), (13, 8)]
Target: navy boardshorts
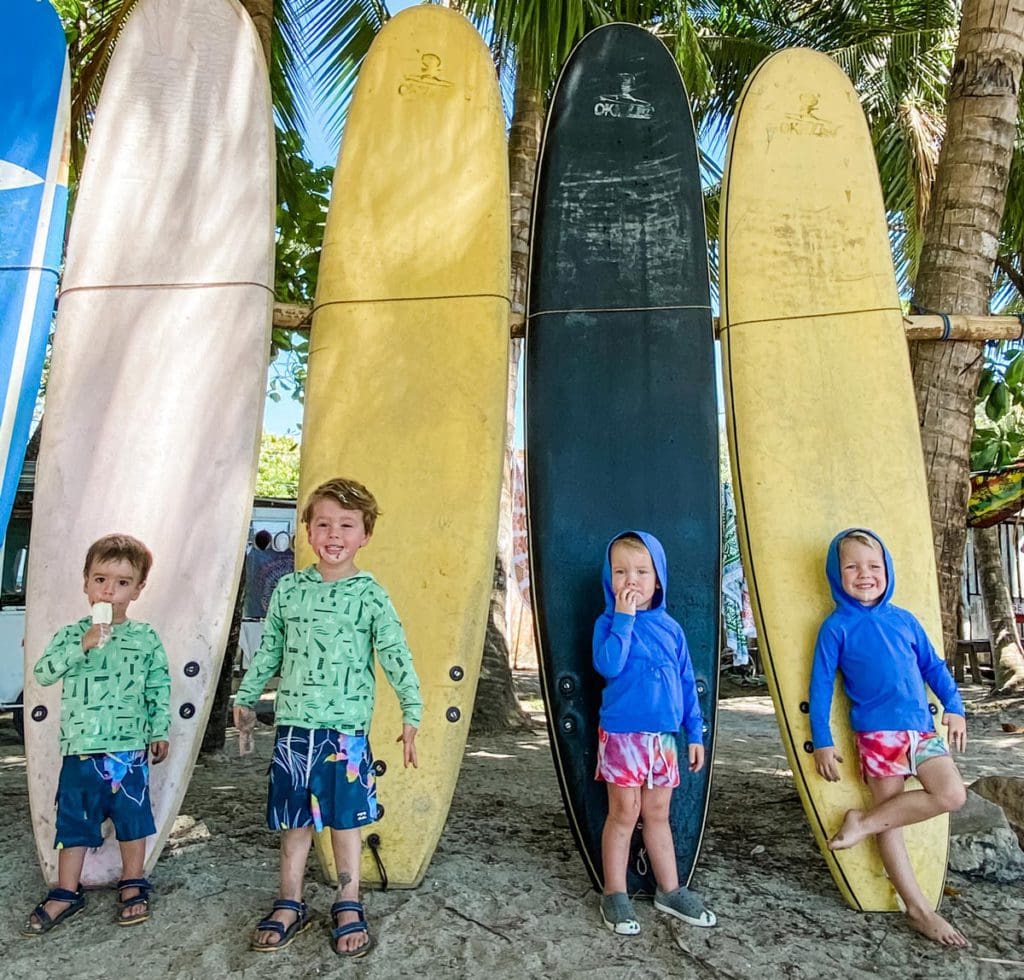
[(94, 788), (320, 778)]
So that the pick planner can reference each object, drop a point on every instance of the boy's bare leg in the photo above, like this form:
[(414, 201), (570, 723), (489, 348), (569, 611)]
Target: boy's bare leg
[(69, 875), (893, 849), (623, 813), (347, 846), (133, 862), (943, 792), (654, 807), (294, 851)]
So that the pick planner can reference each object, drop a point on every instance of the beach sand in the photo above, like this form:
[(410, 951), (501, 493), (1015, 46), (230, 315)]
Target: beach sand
[(506, 894)]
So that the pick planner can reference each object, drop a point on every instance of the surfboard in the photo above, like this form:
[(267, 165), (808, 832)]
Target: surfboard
[(155, 397), (822, 420), (621, 426), (34, 117), (406, 388)]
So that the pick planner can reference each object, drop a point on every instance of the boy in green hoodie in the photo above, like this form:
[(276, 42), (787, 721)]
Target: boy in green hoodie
[(323, 626)]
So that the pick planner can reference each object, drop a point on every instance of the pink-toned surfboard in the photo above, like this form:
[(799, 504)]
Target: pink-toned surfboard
[(155, 396)]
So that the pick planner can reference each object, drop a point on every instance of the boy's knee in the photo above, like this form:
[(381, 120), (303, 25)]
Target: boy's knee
[(652, 810), (953, 797)]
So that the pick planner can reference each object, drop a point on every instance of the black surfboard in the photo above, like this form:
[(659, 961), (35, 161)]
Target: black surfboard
[(621, 413)]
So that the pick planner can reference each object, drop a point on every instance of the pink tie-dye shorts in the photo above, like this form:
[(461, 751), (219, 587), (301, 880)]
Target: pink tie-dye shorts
[(897, 753), (637, 758)]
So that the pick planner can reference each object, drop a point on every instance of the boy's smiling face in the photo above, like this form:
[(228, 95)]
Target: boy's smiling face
[(336, 534), (116, 582), (862, 571)]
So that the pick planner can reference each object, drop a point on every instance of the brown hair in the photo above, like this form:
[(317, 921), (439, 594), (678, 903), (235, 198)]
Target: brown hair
[(348, 494), (120, 547)]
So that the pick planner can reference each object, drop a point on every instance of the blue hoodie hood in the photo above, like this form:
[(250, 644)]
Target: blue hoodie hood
[(653, 545), (845, 602)]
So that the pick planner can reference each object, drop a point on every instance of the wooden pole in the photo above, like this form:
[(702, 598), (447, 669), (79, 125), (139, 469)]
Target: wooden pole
[(294, 316)]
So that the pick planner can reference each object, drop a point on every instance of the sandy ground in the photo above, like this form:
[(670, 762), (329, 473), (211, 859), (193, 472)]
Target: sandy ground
[(506, 895)]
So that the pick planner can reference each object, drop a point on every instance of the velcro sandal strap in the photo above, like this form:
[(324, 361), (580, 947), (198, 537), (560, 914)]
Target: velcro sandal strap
[(356, 907), (346, 930), (141, 883), (272, 925), (62, 895), (299, 908)]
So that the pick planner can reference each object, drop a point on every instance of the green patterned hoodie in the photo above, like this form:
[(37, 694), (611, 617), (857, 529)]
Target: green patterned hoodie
[(115, 698), (322, 637)]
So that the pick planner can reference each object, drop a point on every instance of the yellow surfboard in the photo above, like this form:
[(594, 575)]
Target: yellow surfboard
[(822, 420), (407, 386)]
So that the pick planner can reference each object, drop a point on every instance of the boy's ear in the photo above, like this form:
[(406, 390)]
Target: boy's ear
[(138, 589)]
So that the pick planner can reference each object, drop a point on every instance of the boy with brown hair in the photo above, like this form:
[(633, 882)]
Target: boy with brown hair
[(322, 629), (115, 710)]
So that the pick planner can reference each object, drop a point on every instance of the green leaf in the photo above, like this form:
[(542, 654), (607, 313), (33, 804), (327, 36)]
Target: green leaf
[(998, 402)]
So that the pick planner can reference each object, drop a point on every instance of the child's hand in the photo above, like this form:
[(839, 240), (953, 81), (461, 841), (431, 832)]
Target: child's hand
[(408, 740), (825, 762), (625, 600), (957, 725), (95, 636), (696, 750), (158, 751), (244, 718)]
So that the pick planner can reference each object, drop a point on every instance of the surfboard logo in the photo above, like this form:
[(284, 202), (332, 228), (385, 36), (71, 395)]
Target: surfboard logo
[(13, 177), (807, 122), (624, 104), (428, 81)]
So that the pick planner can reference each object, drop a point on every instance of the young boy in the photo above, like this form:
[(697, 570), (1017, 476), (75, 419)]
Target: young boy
[(886, 659), (115, 704), (322, 629), (649, 694)]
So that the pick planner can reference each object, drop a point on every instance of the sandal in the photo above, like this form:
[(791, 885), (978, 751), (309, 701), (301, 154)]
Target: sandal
[(285, 933), (43, 923), (350, 927), (618, 914), (142, 899), (685, 905)]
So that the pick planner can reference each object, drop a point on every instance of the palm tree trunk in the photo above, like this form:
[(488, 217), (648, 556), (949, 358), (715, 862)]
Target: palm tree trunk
[(497, 707), (961, 239), (1007, 653)]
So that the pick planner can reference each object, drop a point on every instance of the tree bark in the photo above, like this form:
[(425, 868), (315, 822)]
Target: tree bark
[(960, 246), (497, 707), (1007, 653)]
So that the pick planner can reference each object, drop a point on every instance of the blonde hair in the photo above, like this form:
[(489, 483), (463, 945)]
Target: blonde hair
[(631, 541), (120, 547), (348, 494), (862, 537)]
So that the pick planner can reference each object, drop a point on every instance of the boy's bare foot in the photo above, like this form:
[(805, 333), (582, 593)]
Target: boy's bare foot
[(354, 940), (936, 928), (131, 911), (53, 909), (852, 831)]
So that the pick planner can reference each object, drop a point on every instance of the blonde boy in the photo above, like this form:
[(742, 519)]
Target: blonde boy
[(323, 627)]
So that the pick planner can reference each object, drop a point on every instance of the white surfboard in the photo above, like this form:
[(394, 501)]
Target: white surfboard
[(155, 397)]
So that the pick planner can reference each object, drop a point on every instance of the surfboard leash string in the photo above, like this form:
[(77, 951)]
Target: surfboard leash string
[(373, 843), (30, 268), (111, 287), (406, 299)]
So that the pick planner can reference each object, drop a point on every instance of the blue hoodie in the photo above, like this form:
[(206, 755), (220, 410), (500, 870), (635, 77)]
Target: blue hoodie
[(649, 685), (885, 658)]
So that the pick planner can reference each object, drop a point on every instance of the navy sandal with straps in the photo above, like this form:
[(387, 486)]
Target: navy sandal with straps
[(44, 923), (285, 933), (350, 927), (142, 899)]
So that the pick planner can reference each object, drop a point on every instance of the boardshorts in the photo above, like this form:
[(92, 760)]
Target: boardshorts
[(93, 788), (897, 753), (637, 758), (321, 778)]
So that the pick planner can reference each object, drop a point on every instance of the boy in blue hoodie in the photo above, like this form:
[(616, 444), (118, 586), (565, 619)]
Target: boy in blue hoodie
[(886, 658), (649, 695)]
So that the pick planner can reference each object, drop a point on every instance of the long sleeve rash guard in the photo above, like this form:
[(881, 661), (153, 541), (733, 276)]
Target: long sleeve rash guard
[(885, 659), (322, 636), (644, 659)]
